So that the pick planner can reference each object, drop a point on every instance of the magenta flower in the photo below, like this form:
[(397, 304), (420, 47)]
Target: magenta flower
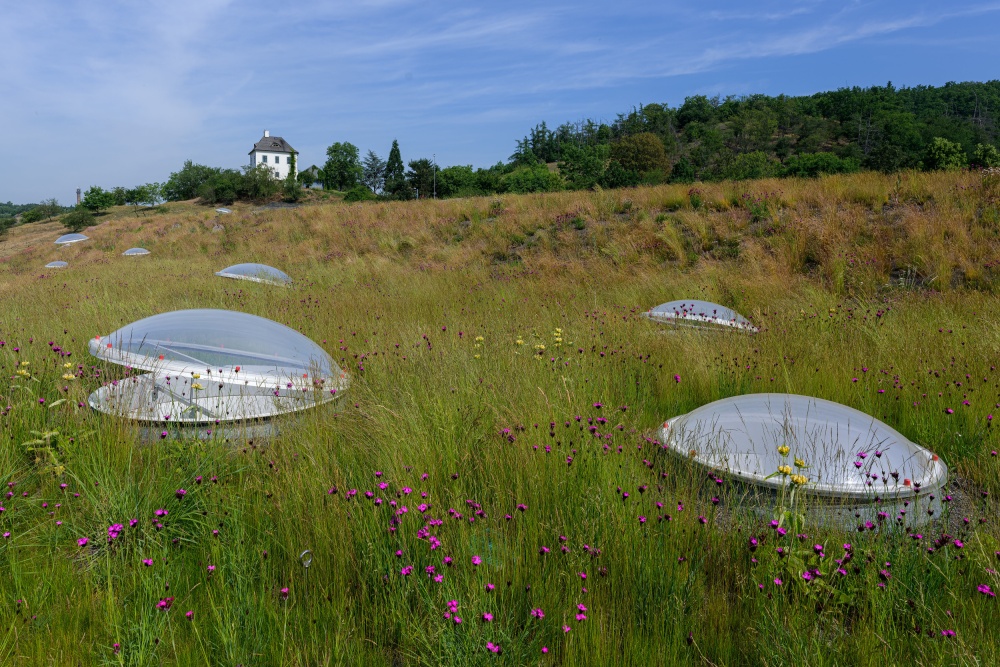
[(476, 560), (148, 562), (82, 541), (489, 588), (164, 604), (180, 493), (407, 571), (778, 582), (566, 628), (211, 569), (487, 617), (284, 593), (581, 617), (537, 613), (495, 648), (189, 615), (986, 590), (545, 649)]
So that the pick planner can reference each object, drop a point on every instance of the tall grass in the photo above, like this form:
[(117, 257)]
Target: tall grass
[(525, 453)]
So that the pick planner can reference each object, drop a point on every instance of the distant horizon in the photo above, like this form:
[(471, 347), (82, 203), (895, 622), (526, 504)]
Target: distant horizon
[(121, 95)]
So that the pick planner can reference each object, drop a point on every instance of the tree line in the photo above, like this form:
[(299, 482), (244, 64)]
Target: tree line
[(881, 128)]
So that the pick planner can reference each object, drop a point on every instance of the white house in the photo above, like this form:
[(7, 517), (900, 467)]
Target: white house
[(273, 152)]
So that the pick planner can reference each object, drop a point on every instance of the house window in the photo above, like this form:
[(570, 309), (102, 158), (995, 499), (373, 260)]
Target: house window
[(288, 160), (264, 159)]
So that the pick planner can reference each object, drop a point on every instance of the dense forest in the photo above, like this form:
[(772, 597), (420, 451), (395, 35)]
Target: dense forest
[(881, 128)]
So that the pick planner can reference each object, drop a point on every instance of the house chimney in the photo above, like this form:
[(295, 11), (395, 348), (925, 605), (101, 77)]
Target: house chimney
[(266, 134)]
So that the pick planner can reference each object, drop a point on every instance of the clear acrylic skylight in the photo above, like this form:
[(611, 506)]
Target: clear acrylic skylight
[(56, 265), (135, 252), (260, 273), (214, 365), (67, 239), (849, 454), (699, 314)]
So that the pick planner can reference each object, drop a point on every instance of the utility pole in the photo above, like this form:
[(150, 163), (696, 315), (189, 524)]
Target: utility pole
[(435, 157)]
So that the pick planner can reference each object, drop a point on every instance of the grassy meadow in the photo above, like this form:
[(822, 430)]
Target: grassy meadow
[(489, 490)]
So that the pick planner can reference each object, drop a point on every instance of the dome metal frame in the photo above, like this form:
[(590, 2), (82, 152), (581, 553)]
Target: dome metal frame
[(258, 273), (70, 239), (198, 374), (913, 469), (699, 314)]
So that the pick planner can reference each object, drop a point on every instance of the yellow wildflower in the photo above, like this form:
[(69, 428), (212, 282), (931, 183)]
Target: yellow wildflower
[(196, 385), (22, 372), (25, 363), (540, 347), (476, 356), (67, 365), (479, 339), (69, 377), (799, 463), (196, 375), (799, 479), (783, 450), (785, 470), (520, 342)]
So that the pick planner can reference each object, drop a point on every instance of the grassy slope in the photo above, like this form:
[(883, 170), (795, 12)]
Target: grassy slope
[(399, 293)]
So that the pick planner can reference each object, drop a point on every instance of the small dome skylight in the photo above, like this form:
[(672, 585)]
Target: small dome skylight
[(135, 252), (56, 265), (850, 455), (699, 314), (214, 365), (260, 273), (67, 239)]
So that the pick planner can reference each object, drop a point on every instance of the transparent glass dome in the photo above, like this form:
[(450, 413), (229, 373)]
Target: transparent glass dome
[(67, 239), (699, 314), (56, 265), (135, 252), (260, 273), (214, 365), (849, 454)]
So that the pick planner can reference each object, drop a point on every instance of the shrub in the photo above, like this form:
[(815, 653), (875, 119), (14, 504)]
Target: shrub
[(944, 155), (79, 218), (986, 156), (359, 193), (810, 165)]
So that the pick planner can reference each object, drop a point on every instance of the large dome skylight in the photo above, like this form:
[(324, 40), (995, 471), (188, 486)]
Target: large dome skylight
[(58, 264), (849, 454), (699, 314), (214, 365), (261, 273), (135, 252), (67, 239)]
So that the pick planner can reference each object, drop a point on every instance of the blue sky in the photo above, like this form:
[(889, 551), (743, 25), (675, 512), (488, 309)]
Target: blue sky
[(121, 93)]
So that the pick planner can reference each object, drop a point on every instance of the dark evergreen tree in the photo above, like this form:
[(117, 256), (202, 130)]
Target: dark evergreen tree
[(395, 176)]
